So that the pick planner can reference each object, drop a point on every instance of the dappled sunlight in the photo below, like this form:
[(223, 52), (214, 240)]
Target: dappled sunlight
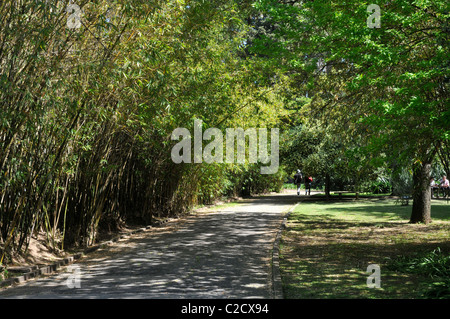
[(224, 254), (328, 246)]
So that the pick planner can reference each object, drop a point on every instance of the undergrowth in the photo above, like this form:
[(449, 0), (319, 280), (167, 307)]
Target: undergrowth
[(434, 265)]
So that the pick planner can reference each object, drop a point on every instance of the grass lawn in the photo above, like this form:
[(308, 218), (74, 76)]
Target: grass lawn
[(327, 247)]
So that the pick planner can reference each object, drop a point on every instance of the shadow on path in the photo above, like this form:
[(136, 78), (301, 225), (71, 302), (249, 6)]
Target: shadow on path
[(225, 254)]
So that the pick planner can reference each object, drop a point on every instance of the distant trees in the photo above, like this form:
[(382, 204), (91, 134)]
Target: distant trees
[(387, 85)]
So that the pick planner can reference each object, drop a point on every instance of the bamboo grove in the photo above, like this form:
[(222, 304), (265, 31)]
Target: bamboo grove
[(86, 113)]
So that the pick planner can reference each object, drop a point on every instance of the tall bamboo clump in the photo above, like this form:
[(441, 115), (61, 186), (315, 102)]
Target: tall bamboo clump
[(87, 113)]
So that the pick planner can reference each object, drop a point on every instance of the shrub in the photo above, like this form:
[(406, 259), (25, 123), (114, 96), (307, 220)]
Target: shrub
[(434, 265)]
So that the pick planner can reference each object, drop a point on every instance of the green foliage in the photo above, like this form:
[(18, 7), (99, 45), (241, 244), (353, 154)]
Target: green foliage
[(380, 187), (402, 183), (253, 182), (386, 88), (434, 265), (393, 81), (86, 114), (4, 274), (318, 152)]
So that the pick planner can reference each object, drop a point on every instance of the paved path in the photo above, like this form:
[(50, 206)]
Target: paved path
[(224, 254)]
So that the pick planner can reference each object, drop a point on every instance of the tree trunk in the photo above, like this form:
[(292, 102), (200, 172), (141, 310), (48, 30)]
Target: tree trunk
[(327, 186), (357, 186), (421, 210)]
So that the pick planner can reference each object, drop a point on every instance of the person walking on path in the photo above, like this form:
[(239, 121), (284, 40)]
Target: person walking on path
[(298, 180), (308, 181)]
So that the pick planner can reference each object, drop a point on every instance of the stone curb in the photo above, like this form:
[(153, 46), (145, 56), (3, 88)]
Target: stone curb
[(277, 286), (36, 271)]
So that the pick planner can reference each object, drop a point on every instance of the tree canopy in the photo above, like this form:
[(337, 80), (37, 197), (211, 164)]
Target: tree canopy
[(387, 85), (90, 93)]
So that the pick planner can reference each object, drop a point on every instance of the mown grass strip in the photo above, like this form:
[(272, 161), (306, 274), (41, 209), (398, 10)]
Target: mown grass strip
[(327, 247)]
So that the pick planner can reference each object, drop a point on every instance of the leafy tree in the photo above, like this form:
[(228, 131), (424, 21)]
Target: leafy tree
[(391, 82)]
